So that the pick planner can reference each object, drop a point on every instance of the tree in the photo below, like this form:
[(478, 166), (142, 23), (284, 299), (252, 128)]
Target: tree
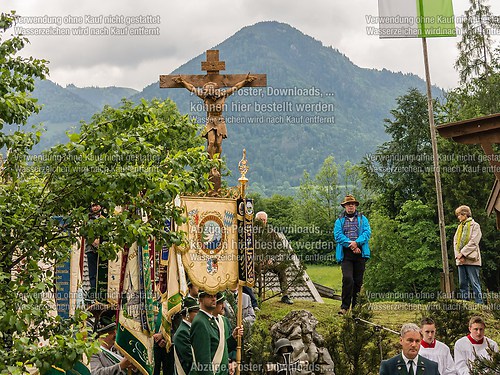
[(484, 366), (128, 157), (18, 78), (315, 211), (136, 156), (398, 168), (353, 181), (465, 179), (405, 253), (327, 190), (357, 348), (475, 57)]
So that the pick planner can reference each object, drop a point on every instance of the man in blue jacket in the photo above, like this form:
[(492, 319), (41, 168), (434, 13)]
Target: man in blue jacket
[(352, 232)]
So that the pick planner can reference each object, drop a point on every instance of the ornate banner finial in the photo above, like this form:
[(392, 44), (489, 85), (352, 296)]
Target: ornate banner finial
[(243, 167)]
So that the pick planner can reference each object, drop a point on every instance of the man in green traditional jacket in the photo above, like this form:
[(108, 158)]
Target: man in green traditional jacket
[(210, 353), (182, 342)]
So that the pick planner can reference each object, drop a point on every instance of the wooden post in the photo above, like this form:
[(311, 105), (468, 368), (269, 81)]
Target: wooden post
[(239, 322), (437, 176)]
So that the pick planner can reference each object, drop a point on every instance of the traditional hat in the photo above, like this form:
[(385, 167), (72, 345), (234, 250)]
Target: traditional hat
[(349, 199), (203, 293), (221, 297), (106, 322), (190, 304)]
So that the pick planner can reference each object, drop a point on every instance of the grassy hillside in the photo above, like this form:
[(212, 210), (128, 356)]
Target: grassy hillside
[(330, 276)]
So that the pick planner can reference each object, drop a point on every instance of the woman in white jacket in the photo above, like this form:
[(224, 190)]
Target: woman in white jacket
[(467, 254)]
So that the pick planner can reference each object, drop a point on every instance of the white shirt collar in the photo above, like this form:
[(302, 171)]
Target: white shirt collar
[(415, 362)]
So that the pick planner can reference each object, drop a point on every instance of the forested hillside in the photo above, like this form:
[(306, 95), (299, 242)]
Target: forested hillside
[(317, 103)]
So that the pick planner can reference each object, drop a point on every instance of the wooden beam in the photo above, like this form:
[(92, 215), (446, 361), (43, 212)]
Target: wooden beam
[(490, 124), (491, 136), (494, 199), (223, 80), (213, 65)]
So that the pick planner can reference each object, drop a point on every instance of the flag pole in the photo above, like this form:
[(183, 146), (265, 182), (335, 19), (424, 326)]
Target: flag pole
[(243, 180), (446, 287)]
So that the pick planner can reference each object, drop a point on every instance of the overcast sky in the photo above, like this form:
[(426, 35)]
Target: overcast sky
[(189, 27)]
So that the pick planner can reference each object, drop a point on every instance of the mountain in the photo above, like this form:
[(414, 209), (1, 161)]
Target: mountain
[(317, 103), (282, 136), (100, 96), (64, 108), (61, 110)]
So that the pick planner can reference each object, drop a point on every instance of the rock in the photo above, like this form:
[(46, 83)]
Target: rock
[(309, 356)]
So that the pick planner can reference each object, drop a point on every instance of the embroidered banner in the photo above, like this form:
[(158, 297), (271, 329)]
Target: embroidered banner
[(246, 269), (135, 323), (211, 255)]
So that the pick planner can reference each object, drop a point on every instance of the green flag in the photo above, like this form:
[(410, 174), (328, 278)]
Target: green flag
[(416, 18)]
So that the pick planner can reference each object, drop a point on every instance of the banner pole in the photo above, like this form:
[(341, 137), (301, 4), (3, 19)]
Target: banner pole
[(437, 176), (239, 322), (243, 180)]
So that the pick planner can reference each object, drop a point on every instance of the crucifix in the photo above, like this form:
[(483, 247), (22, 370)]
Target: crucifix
[(288, 367), (208, 87)]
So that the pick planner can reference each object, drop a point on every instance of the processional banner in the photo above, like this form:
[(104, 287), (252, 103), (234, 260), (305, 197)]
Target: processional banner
[(246, 269), (210, 257), (136, 320)]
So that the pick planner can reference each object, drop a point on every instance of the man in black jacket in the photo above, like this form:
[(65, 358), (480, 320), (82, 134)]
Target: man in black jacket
[(409, 362)]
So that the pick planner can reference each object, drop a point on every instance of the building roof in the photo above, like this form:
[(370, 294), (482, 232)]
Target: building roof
[(483, 131), (301, 288)]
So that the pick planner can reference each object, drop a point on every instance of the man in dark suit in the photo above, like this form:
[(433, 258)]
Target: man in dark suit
[(409, 362)]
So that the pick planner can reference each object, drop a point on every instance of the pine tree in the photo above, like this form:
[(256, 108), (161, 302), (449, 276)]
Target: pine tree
[(475, 56)]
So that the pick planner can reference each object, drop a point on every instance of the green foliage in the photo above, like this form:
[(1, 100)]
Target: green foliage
[(485, 366), (278, 153), (406, 251), (331, 326), (398, 168), (402, 170), (475, 57), (307, 219), (134, 157), (466, 173), (317, 207), (356, 347), (258, 349), (18, 76)]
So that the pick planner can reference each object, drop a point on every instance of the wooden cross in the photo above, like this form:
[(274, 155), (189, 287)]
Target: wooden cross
[(212, 66), (213, 97)]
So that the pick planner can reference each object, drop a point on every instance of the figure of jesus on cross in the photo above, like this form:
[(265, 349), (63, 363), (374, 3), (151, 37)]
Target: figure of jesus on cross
[(210, 89), (214, 99)]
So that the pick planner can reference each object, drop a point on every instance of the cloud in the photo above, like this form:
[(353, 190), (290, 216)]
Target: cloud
[(189, 27)]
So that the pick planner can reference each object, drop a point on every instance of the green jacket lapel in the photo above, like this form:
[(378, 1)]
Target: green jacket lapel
[(401, 366), (420, 367)]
